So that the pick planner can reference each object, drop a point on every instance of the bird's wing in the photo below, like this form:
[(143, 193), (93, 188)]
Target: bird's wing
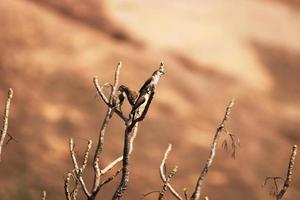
[(145, 85), (138, 102)]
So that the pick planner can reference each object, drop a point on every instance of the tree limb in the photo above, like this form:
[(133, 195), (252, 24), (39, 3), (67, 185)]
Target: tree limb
[(163, 176), (44, 194), (5, 120), (197, 191), (166, 183)]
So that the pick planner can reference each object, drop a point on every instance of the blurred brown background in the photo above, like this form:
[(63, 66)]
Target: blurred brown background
[(213, 50)]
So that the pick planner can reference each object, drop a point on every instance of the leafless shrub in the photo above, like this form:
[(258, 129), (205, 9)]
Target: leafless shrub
[(197, 191), (140, 104)]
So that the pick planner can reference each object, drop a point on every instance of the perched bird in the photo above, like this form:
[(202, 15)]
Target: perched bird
[(146, 94), (131, 94)]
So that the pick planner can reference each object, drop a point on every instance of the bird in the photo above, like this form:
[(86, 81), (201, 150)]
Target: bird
[(131, 94), (146, 93)]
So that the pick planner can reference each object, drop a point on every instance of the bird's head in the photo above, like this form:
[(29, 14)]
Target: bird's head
[(122, 88), (160, 70)]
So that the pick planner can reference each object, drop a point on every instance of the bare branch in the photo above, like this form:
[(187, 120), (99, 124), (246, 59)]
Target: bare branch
[(114, 87), (5, 119), (99, 90), (78, 171), (163, 176), (166, 183), (185, 194), (110, 110), (119, 159), (280, 193), (140, 108), (288, 178), (44, 194), (197, 191), (129, 134), (67, 186), (109, 179), (86, 155)]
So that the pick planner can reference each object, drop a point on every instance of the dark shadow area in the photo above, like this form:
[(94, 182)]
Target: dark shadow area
[(92, 13), (284, 67), (293, 4)]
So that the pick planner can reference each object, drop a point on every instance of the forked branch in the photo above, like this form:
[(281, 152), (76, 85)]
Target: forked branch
[(163, 175)]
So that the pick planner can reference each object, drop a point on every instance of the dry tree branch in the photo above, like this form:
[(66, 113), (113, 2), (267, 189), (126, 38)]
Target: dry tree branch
[(185, 194), (79, 170), (67, 186), (109, 112), (119, 159), (125, 165), (280, 193), (146, 93), (166, 183), (163, 176), (44, 194), (130, 134), (197, 191), (5, 120)]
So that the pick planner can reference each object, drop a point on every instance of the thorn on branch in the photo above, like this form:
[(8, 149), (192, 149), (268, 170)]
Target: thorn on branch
[(149, 193), (109, 179)]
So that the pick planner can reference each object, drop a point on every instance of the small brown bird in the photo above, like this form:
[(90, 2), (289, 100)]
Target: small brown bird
[(146, 94), (131, 94)]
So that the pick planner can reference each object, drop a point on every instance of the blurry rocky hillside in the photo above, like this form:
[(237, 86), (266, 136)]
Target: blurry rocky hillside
[(213, 51)]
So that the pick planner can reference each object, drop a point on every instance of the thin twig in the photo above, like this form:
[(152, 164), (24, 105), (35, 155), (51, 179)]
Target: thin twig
[(109, 179), (280, 193), (5, 120), (78, 171), (197, 191), (44, 194), (67, 186), (185, 194), (86, 155), (163, 176), (119, 159), (166, 183), (148, 193), (289, 174)]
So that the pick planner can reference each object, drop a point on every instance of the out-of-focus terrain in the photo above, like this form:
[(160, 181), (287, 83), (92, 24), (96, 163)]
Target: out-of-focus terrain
[(213, 51)]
